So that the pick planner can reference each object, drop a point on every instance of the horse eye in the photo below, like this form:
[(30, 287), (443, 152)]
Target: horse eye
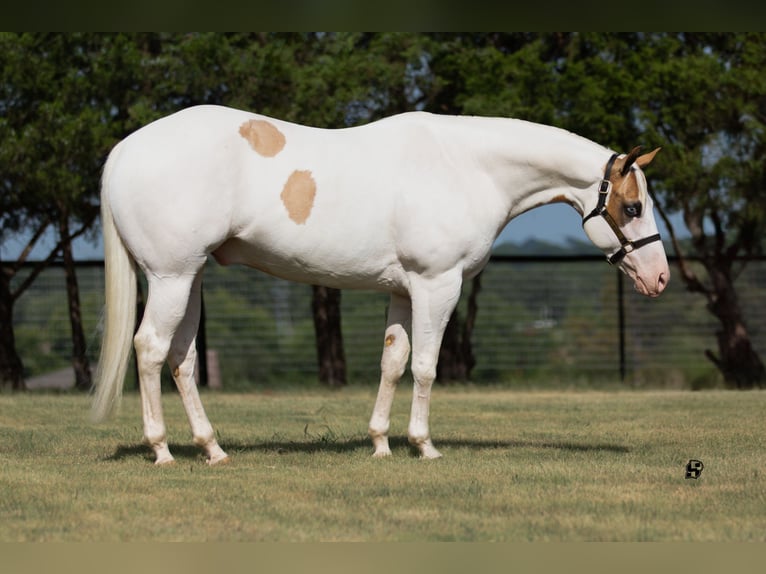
[(633, 210)]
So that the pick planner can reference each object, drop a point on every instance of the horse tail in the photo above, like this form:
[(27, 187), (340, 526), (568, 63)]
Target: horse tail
[(119, 310)]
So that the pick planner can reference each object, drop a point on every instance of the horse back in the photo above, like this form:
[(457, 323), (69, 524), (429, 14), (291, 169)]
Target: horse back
[(342, 207)]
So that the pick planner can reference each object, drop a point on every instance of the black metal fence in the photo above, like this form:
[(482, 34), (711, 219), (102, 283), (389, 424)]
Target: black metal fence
[(562, 319)]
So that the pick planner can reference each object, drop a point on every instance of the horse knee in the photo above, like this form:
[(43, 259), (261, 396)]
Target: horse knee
[(423, 370)]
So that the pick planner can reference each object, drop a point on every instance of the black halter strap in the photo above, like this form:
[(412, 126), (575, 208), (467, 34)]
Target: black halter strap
[(626, 245)]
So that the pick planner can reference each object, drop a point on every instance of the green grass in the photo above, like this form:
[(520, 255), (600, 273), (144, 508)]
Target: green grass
[(517, 466)]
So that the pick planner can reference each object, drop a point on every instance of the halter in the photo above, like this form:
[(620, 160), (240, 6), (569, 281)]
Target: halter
[(626, 245)]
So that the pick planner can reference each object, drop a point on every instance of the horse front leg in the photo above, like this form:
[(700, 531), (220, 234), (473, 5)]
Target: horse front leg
[(393, 362), (433, 301)]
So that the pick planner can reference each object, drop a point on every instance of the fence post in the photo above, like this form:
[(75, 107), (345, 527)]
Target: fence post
[(621, 322)]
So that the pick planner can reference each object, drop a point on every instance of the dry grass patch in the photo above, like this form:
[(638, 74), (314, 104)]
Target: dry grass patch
[(518, 466)]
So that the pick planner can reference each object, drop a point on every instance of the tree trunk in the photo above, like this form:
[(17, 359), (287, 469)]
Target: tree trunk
[(11, 367), (200, 343), (737, 360), (451, 366), (80, 364), (325, 306), (456, 358)]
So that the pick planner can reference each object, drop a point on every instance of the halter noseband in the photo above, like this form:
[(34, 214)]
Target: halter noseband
[(626, 245)]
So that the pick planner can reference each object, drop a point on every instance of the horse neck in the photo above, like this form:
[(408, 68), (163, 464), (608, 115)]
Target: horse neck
[(533, 164)]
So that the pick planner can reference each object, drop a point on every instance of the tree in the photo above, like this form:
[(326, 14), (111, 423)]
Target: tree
[(64, 101), (54, 136), (456, 357), (331, 356), (706, 105)]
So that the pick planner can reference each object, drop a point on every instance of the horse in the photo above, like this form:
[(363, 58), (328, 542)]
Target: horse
[(409, 205)]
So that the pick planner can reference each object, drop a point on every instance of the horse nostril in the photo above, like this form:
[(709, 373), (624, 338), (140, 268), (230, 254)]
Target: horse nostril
[(662, 280)]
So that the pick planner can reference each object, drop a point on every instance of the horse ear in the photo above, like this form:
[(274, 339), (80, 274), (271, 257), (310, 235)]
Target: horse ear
[(629, 159), (646, 159)]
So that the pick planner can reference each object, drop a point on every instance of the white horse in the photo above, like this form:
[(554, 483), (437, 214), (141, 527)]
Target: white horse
[(409, 205)]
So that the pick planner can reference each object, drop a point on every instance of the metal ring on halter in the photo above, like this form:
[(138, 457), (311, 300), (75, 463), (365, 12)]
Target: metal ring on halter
[(626, 245)]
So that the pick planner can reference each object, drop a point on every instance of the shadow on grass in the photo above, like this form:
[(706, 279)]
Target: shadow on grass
[(189, 451)]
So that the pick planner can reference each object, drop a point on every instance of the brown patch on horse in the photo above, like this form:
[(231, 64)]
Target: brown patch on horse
[(625, 190), (390, 340), (298, 195), (263, 137)]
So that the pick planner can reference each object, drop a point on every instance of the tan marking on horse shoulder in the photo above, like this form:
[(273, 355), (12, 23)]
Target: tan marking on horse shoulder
[(390, 340), (298, 195), (263, 137)]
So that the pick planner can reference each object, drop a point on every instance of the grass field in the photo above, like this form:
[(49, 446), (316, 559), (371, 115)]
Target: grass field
[(517, 466)]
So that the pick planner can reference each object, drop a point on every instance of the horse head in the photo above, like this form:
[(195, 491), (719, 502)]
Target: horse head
[(622, 223)]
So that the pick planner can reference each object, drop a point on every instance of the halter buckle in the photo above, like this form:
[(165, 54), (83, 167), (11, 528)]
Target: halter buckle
[(605, 187)]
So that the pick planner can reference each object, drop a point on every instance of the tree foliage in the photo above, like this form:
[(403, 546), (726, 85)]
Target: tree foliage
[(705, 101), (54, 129)]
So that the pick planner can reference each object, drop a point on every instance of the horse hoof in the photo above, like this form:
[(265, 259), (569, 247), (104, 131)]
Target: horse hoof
[(381, 454), (425, 447), (432, 454), (428, 451), (218, 461)]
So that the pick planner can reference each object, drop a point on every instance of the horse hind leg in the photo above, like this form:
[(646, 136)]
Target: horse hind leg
[(164, 325), (396, 351), (165, 306), (182, 359)]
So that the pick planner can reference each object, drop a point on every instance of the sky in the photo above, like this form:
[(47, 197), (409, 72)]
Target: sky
[(554, 223)]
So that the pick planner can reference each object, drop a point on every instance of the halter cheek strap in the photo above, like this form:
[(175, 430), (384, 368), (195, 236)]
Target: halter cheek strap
[(626, 245)]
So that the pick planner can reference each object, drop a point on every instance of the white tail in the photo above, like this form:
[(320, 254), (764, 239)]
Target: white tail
[(119, 312)]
